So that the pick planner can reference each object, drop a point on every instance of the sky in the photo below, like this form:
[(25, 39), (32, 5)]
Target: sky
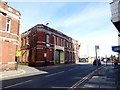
[(88, 22)]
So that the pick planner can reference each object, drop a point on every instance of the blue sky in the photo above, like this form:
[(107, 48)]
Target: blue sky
[(87, 22)]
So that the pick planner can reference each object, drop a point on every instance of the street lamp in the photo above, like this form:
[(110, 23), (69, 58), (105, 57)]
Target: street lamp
[(79, 46), (47, 24)]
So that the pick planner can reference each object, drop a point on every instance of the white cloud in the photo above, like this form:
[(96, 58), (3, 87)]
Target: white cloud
[(43, 13), (105, 42), (88, 15), (98, 29)]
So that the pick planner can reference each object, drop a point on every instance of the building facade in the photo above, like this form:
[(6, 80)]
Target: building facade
[(115, 11), (42, 45), (9, 35)]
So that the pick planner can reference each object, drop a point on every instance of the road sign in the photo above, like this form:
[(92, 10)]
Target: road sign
[(96, 46)]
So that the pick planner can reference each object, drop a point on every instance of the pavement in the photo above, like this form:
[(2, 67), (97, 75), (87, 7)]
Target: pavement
[(108, 77), (22, 71)]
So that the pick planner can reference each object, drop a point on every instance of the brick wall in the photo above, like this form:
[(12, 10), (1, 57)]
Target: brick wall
[(44, 52), (11, 36)]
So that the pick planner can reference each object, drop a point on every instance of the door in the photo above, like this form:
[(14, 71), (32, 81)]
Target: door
[(5, 52), (57, 57), (61, 57)]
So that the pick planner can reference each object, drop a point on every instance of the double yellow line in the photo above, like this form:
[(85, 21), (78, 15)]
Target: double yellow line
[(84, 79)]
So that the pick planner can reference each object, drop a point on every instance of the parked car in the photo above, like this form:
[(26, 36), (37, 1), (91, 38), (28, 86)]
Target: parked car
[(83, 60), (95, 62), (106, 60)]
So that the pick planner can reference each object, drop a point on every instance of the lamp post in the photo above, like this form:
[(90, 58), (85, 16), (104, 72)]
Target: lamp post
[(79, 46), (96, 48), (88, 51)]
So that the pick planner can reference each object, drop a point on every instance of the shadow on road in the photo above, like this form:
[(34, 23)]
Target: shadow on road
[(48, 69)]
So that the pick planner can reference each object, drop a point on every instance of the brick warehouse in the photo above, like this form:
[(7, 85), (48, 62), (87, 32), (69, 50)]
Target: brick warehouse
[(9, 35), (42, 45)]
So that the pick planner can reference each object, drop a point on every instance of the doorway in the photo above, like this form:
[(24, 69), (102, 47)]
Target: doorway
[(5, 52), (59, 57)]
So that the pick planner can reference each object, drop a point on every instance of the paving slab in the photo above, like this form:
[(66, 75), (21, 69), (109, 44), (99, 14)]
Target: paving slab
[(107, 77)]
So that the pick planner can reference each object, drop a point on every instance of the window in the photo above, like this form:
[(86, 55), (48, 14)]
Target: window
[(47, 38), (21, 41), (59, 41), (67, 44), (56, 40), (33, 39), (52, 39), (8, 22), (63, 42)]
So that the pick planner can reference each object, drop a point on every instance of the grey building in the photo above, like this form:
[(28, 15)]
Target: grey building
[(115, 19)]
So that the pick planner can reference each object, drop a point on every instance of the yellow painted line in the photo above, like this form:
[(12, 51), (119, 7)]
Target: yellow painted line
[(83, 79)]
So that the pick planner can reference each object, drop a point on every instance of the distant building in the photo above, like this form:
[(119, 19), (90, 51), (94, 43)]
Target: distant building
[(115, 11), (42, 45), (9, 35)]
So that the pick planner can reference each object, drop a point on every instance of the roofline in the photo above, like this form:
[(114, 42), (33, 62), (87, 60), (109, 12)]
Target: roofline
[(51, 29)]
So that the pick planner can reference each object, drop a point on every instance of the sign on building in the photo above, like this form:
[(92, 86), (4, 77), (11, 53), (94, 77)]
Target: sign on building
[(18, 53)]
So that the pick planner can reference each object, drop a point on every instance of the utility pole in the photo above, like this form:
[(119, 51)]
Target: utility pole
[(88, 50), (96, 48)]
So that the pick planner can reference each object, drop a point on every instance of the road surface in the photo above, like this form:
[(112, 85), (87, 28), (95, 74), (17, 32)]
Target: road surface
[(64, 76)]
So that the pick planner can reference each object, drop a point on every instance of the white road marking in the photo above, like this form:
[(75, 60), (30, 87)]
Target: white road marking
[(55, 73), (73, 68), (60, 72), (18, 84), (70, 69)]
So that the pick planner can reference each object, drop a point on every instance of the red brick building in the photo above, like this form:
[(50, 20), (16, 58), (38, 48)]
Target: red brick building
[(9, 35), (42, 45)]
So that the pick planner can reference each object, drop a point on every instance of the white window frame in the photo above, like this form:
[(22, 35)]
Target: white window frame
[(47, 38), (55, 40), (67, 44)]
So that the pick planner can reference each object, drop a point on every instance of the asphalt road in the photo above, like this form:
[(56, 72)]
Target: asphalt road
[(57, 77)]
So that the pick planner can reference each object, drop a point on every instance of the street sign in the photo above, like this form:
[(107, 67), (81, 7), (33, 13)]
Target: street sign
[(116, 48), (18, 53), (96, 46)]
